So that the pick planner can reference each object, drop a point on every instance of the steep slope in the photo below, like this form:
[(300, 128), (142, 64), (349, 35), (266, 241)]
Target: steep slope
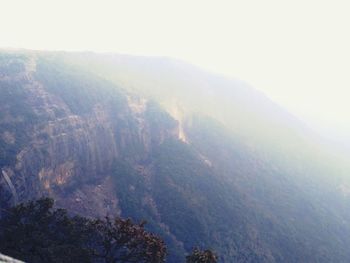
[(183, 90), (181, 148), (63, 130)]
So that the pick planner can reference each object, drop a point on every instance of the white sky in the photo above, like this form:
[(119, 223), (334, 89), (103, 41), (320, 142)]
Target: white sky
[(296, 51)]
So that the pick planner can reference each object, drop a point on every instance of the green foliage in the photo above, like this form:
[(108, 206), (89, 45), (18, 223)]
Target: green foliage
[(36, 232), (249, 205), (132, 189), (201, 256), (123, 241), (186, 197)]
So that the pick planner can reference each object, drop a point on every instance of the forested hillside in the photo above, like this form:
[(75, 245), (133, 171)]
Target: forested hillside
[(205, 160)]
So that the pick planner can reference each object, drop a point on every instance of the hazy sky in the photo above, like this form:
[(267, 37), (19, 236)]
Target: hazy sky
[(297, 51)]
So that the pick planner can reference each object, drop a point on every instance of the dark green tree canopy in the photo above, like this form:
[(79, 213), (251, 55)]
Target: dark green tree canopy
[(36, 232), (201, 256)]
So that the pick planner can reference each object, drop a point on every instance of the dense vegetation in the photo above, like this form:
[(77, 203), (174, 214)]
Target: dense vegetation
[(36, 232), (248, 201), (201, 256)]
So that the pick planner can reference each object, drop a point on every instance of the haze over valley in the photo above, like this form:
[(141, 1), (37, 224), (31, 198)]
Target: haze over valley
[(132, 132)]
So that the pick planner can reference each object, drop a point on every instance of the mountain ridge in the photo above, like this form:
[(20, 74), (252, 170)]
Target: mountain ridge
[(237, 180)]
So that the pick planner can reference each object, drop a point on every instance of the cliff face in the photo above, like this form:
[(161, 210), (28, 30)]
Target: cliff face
[(69, 155), (98, 148)]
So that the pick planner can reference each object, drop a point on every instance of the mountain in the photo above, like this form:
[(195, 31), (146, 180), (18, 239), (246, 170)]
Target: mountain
[(207, 160)]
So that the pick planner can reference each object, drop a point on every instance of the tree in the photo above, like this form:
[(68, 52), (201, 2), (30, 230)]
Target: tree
[(201, 256), (123, 241), (36, 232)]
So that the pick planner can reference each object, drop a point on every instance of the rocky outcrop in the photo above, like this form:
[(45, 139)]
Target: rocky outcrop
[(202, 175), (69, 156), (5, 259)]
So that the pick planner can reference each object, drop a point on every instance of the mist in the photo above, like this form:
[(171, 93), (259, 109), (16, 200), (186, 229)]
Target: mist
[(222, 124), (296, 53)]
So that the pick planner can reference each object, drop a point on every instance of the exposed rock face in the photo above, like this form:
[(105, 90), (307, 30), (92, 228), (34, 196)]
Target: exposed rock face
[(99, 149), (69, 156), (5, 259)]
